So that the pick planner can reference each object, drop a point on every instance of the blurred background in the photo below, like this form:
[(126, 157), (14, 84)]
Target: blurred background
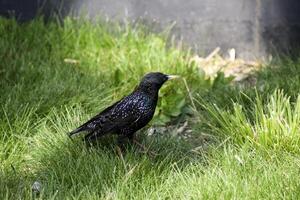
[(254, 28)]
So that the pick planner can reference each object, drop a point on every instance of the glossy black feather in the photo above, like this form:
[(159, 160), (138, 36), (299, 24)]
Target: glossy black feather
[(129, 114)]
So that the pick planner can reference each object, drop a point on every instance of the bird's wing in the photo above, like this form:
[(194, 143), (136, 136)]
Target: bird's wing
[(117, 116), (125, 113), (91, 124)]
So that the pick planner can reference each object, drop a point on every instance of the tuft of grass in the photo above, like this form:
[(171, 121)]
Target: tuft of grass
[(273, 123)]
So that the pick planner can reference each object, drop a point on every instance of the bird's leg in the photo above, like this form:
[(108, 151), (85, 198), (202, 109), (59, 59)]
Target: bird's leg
[(119, 152), (121, 141), (141, 146)]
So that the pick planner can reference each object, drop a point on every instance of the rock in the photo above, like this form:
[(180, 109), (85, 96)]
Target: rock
[(36, 187)]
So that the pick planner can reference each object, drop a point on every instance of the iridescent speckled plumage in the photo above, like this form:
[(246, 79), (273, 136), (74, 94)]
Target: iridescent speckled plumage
[(130, 114)]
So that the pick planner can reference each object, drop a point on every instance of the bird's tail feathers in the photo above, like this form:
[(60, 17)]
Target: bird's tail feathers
[(77, 131)]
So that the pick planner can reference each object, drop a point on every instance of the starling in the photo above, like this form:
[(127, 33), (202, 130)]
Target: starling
[(128, 115)]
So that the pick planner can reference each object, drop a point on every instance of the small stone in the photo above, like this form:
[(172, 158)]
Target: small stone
[(36, 187), (151, 131)]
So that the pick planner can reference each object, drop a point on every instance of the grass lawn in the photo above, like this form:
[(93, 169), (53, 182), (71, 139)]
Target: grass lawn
[(244, 142)]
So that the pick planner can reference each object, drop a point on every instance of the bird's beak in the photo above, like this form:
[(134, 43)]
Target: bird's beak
[(172, 77)]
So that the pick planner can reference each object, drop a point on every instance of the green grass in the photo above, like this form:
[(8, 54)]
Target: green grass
[(274, 124), (245, 142)]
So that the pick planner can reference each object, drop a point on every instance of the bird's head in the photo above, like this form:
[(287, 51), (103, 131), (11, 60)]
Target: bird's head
[(154, 80)]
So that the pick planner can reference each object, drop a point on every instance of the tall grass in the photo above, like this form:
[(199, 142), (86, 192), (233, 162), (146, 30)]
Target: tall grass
[(272, 123)]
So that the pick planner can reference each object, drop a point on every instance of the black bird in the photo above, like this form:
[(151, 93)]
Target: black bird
[(128, 115)]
